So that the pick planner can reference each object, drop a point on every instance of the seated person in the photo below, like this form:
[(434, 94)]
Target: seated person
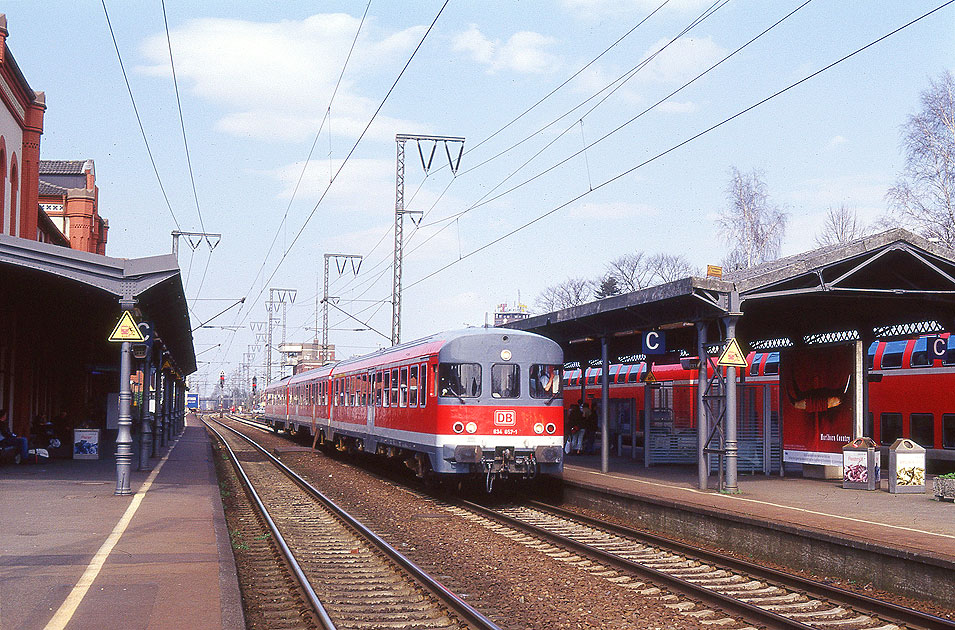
[(9, 438)]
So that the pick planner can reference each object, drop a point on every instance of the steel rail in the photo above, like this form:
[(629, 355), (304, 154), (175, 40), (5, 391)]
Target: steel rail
[(864, 603), (731, 605), (323, 618), (459, 606)]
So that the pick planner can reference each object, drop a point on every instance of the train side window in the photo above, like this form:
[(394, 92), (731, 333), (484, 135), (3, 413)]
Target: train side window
[(394, 387), (892, 355), (459, 380), (634, 375), (378, 401), (950, 353), (922, 429), (870, 353), (754, 367), (948, 430), (545, 380), (771, 365), (424, 385), (403, 389), (413, 386), (386, 388), (891, 428), (920, 355), (505, 380)]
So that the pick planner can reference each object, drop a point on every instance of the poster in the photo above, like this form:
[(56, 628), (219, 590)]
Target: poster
[(85, 443)]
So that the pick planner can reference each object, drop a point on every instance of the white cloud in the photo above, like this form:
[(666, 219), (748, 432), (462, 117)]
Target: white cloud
[(677, 107), (525, 52), (254, 70), (680, 61)]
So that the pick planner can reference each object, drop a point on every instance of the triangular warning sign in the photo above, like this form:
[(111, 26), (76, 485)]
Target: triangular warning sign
[(127, 330), (649, 378), (732, 356)]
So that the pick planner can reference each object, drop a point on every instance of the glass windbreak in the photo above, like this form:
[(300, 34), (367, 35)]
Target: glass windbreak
[(505, 380), (545, 380), (462, 380)]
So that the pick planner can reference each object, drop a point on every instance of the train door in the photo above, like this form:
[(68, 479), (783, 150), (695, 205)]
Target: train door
[(367, 383)]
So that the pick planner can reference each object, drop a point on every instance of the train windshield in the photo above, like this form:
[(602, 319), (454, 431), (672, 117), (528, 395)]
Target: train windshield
[(545, 380), (462, 380), (505, 380)]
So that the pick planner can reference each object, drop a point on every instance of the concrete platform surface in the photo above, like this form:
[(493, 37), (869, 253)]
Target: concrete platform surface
[(163, 553), (914, 523)]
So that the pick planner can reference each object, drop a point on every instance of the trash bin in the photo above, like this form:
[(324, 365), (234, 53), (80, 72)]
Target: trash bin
[(860, 465), (906, 467)]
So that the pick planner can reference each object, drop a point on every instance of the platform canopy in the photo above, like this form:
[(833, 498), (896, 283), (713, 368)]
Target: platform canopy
[(76, 294), (890, 284)]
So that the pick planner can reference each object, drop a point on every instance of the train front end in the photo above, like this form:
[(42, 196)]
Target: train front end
[(500, 409)]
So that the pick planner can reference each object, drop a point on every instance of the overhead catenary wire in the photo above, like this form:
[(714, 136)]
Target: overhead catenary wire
[(682, 143), (139, 119)]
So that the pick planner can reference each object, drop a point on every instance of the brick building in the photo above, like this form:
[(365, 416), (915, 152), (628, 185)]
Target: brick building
[(70, 198)]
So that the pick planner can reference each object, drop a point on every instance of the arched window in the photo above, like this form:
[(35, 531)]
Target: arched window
[(3, 184), (14, 189)]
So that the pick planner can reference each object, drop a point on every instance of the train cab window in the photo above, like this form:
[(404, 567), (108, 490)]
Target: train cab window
[(634, 375), (920, 355), (754, 366), (948, 430), (870, 353), (403, 390), (505, 380), (413, 386), (771, 366), (891, 428), (545, 380), (892, 355), (386, 388), (459, 380), (423, 388), (922, 429), (394, 387), (378, 401)]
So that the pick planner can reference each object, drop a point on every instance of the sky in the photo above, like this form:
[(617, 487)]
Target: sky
[(293, 158)]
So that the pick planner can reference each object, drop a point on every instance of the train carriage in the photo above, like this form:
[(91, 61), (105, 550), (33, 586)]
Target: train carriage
[(472, 402)]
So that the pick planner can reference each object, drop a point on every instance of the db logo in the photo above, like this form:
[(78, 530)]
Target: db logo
[(505, 417)]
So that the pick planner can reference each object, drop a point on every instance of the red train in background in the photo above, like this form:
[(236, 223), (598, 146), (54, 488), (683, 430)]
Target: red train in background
[(478, 402), (910, 396)]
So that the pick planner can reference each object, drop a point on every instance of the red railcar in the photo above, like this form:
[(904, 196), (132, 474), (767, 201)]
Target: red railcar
[(910, 396), (480, 401)]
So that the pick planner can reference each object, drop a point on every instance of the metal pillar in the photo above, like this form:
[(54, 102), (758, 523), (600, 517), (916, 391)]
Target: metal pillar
[(702, 426), (647, 413), (604, 407), (124, 437), (341, 268), (859, 378), (400, 211), (154, 381), (146, 420), (731, 448)]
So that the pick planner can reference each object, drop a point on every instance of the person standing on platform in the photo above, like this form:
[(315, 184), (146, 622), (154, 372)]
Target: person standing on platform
[(9, 438)]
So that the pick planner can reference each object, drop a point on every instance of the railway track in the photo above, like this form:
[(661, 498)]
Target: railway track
[(364, 582), (700, 583)]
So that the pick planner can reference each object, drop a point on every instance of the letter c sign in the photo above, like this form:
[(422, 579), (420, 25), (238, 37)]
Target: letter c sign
[(654, 342), (936, 347)]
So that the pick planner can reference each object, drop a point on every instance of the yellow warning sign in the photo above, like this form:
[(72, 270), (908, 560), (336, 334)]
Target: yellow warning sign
[(127, 330), (649, 378), (732, 356)]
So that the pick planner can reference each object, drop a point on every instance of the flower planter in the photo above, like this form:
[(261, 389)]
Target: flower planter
[(944, 489)]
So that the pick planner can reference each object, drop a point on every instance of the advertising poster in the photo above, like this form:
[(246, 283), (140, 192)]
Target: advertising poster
[(85, 443), (910, 469), (817, 404)]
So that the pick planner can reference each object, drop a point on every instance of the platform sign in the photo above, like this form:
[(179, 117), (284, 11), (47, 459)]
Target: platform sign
[(654, 342), (732, 356), (937, 347), (192, 400), (127, 330)]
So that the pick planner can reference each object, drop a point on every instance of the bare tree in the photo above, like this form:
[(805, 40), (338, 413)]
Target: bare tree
[(570, 292), (842, 225), (669, 267), (752, 226), (630, 271), (924, 193)]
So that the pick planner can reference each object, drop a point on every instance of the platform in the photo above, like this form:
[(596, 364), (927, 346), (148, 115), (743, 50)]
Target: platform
[(898, 542), (165, 564)]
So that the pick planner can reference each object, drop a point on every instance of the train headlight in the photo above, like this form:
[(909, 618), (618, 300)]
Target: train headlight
[(471, 427), (539, 428), (551, 428), (458, 427)]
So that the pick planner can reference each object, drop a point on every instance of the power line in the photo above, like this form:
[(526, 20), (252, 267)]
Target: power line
[(682, 143), (138, 118)]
